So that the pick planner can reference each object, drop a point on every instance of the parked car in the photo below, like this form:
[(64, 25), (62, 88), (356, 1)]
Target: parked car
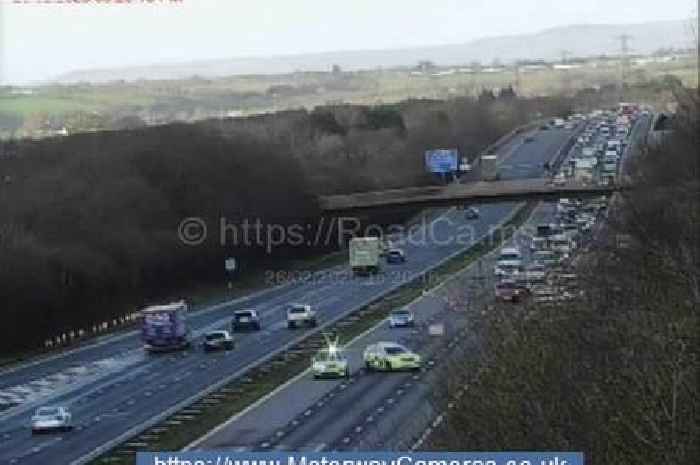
[(245, 320), (50, 418), (217, 340)]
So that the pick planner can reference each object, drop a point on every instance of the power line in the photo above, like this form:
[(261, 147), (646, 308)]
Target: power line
[(624, 58)]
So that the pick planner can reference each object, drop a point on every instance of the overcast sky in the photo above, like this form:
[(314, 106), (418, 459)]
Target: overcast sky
[(41, 41)]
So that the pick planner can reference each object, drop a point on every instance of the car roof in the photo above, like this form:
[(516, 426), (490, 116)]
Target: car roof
[(247, 310), (218, 331), (51, 407), (510, 250), (385, 344)]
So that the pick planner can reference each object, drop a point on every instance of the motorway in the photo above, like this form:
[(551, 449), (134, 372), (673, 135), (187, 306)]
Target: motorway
[(372, 411), (112, 387), (379, 411)]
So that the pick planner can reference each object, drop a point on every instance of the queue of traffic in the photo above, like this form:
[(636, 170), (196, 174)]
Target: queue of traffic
[(543, 273)]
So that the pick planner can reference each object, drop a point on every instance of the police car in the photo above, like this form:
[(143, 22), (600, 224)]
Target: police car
[(390, 356), (330, 362)]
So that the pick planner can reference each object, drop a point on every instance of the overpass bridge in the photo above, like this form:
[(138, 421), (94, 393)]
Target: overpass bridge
[(458, 194)]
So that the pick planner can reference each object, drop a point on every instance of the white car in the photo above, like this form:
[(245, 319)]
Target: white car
[(330, 362), (508, 268), (300, 314), (510, 253), (559, 179), (544, 294), (509, 264), (217, 340), (401, 318), (51, 419)]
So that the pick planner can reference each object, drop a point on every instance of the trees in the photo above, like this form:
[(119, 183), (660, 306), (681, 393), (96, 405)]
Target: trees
[(89, 223), (613, 375)]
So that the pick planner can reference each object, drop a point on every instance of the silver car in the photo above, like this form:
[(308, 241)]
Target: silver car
[(51, 419), (401, 318)]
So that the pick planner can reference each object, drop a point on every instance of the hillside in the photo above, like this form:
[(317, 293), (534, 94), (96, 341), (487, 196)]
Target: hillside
[(580, 40)]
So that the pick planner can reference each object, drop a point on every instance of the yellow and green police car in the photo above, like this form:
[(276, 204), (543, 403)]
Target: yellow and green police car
[(390, 356), (330, 363)]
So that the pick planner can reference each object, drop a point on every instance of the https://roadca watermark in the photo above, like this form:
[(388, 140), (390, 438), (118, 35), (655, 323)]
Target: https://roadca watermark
[(329, 232)]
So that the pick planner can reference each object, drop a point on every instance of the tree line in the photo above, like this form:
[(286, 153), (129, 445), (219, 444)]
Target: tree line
[(89, 222)]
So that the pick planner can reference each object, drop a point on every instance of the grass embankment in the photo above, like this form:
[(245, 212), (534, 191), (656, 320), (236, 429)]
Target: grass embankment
[(202, 416)]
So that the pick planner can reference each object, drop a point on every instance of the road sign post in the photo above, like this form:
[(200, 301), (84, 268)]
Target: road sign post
[(230, 265)]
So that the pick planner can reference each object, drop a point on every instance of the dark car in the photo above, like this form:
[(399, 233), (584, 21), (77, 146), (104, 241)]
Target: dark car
[(471, 213), (395, 256), (544, 127), (529, 139), (245, 320)]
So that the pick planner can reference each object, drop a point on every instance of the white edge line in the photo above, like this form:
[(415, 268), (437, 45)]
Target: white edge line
[(192, 399)]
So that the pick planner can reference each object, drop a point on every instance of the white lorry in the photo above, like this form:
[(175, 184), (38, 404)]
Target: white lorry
[(365, 255), (489, 167)]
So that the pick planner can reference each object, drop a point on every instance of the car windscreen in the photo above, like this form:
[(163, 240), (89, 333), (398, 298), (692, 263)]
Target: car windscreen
[(401, 313), (509, 266), (505, 286), (327, 356), (47, 411), (297, 310), (240, 315), (214, 336), (509, 256), (395, 350)]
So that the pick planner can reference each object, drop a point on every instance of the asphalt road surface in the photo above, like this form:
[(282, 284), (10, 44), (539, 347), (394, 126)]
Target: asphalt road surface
[(378, 411), (113, 387)]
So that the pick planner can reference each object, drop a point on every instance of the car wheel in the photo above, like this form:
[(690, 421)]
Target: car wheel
[(291, 325), (387, 366), (257, 326), (347, 373), (313, 323), (368, 366)]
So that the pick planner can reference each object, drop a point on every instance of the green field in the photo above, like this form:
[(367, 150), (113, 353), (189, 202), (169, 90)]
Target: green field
[(194, 99)]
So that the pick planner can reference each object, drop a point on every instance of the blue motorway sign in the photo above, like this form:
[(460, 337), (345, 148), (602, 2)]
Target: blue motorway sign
[(442, 161)]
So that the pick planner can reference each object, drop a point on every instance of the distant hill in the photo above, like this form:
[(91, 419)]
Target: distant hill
[(580, 40)]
